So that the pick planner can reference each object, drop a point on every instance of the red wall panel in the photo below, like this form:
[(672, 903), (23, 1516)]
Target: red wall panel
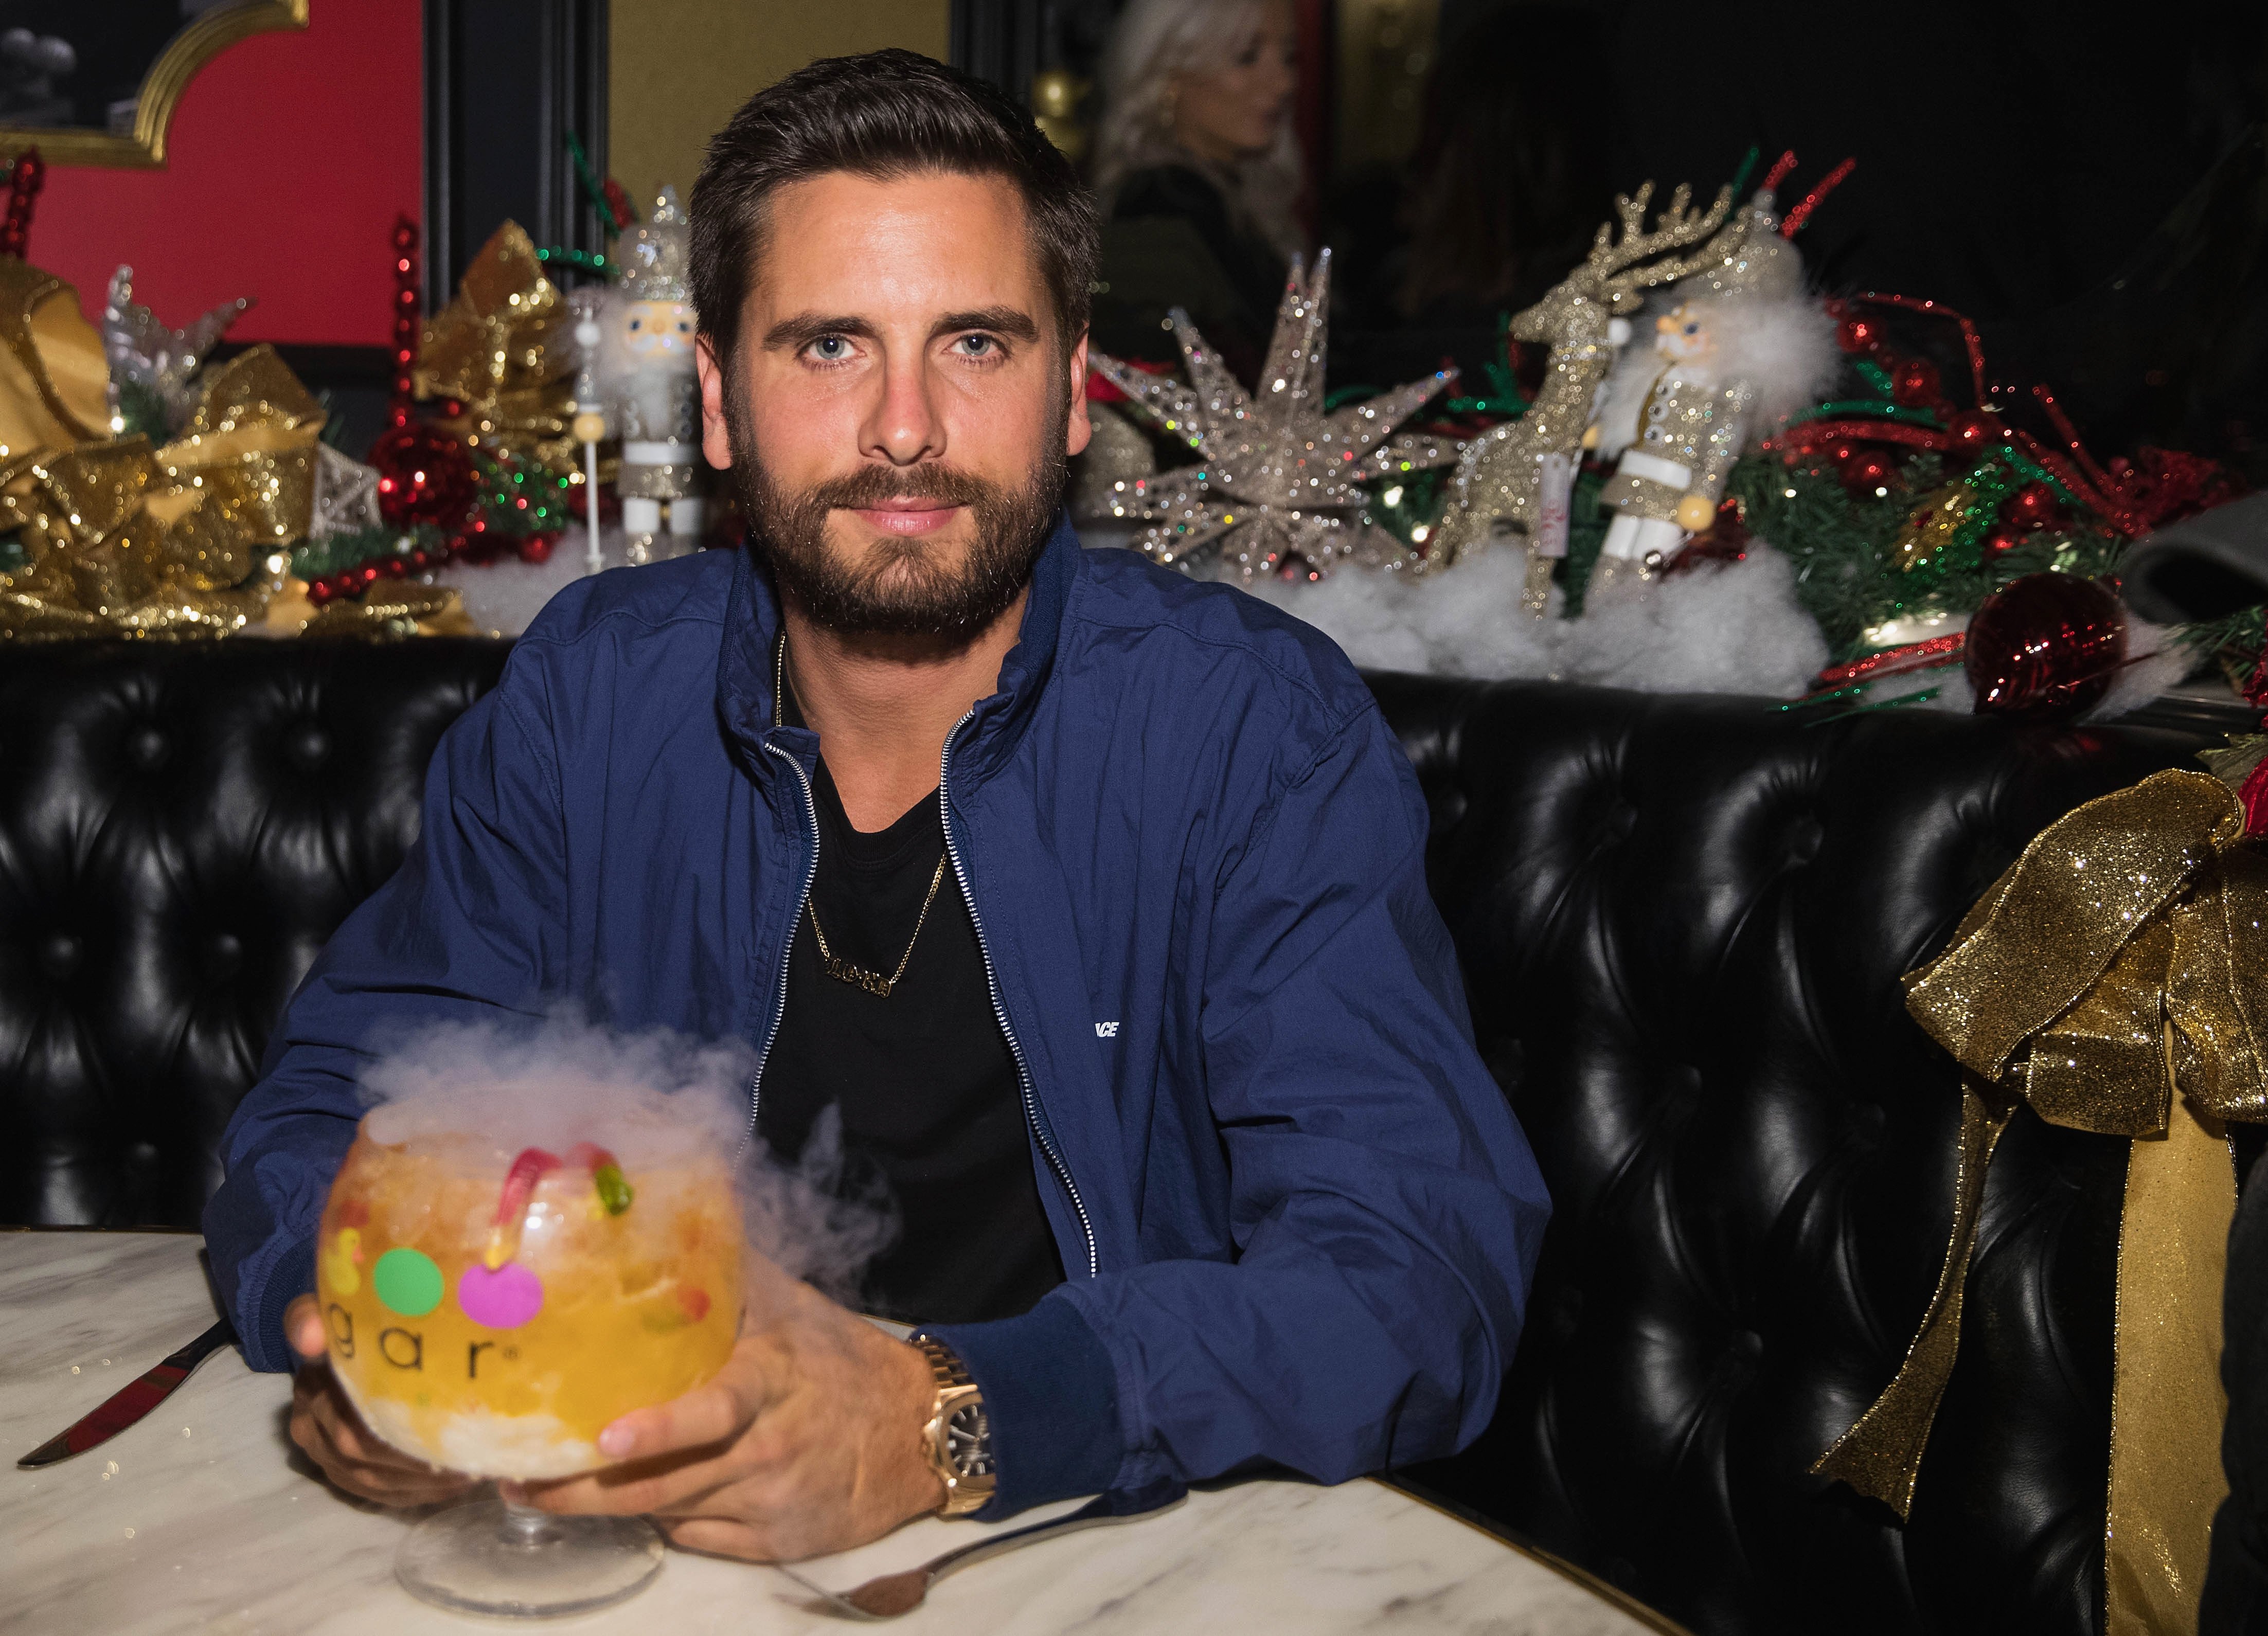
[(290, 156)]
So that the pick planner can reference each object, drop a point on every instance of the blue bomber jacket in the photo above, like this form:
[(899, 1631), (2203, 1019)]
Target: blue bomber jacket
[(1298, 1218)]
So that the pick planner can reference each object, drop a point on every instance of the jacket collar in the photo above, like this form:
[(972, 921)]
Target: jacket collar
[(745, 700)]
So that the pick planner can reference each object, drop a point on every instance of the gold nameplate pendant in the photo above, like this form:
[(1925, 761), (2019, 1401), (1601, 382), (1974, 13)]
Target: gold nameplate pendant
[(857, 976)]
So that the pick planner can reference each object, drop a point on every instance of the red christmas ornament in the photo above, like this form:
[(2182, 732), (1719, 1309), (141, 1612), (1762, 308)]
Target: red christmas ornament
[(424, 475), (2045, 647), (2032, 506), (1858, 334), (1915, 382), (1842, 451), (2003, 538), (1975, 431), (1865, 472), (535, 549)]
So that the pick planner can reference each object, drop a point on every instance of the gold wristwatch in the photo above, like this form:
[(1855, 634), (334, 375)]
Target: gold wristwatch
[(958, 1439)]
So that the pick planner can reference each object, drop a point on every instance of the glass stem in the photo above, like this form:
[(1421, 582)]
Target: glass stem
[(527, 1526)]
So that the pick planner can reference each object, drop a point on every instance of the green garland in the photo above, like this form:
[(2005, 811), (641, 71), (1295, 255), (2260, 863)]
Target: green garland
[(1846, 574)]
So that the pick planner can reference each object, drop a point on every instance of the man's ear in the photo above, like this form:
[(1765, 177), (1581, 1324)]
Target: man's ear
[(716, 443), (1079, 427)]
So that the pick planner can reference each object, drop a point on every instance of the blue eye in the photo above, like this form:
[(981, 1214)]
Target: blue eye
[(830, 346), (977, 345)]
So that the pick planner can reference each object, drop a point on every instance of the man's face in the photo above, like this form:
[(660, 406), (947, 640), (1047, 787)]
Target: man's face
[(899, 410)]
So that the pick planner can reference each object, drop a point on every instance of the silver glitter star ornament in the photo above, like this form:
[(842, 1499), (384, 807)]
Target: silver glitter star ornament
[(142, 350), (346, 496), (1276, 475)]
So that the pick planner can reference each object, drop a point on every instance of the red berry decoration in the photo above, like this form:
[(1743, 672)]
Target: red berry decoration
[(2032, 506), (424, 475), (1858, 334), (1915, 382), (2044, 647), (1975, 431), (2003, 538), (1863, 473)]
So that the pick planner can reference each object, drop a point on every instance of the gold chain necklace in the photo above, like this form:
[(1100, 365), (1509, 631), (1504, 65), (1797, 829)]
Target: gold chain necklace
[(857, 976), (834, 964)]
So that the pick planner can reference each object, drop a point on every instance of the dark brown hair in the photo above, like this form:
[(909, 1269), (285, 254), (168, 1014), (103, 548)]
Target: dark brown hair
[(884, 114)]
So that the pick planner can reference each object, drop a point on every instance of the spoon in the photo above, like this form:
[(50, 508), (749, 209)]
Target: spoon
[(890, 1594)]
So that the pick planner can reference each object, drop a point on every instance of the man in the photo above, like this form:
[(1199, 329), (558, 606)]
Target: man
[(1093, 898)]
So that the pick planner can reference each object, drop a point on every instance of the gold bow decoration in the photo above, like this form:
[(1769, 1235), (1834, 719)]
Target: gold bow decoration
[(122, 538), (2116, 980), (502, 348)]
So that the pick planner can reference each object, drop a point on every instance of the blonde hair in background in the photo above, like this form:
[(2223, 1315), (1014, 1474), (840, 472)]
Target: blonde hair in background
[(1153, 46)]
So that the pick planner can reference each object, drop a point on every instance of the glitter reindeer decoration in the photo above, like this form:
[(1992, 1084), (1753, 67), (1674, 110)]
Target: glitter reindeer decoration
[(1500, 483)]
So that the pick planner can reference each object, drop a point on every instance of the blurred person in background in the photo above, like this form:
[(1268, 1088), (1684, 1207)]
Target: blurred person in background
[(1510, 179), (1197, 172)]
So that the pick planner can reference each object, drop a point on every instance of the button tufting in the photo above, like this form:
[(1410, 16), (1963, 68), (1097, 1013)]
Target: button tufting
[(1622, 818), (1800, 844), (59, 956), (146, 747), (309, 746), (226, 957)]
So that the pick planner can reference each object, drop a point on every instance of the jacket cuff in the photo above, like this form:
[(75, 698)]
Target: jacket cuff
[(1051, 1394), (293, 1276)]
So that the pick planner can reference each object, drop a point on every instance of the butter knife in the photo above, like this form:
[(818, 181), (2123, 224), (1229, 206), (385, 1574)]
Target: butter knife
[(125, 1407)]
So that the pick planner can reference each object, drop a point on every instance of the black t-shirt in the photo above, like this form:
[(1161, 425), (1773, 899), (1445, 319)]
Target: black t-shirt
[(931, 1106)]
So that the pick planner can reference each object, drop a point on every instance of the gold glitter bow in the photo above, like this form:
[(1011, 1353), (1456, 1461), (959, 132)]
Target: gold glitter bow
[(125, 539), (502, 348), (2115, 979)]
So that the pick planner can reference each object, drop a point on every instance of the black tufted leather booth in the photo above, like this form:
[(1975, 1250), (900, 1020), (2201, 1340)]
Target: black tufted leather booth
[(182, 828), (1681, 922)]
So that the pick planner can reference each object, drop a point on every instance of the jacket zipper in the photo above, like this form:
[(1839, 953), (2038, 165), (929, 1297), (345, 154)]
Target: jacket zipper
[(811, 811), (1000, 1011)]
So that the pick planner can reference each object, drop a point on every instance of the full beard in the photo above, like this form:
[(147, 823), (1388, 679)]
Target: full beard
[(900, 586)]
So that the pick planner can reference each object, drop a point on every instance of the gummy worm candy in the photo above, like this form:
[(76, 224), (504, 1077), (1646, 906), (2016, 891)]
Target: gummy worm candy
[(615, 1192), (511, 1217)]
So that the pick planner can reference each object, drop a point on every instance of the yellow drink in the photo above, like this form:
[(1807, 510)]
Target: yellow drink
[(504, 1353)]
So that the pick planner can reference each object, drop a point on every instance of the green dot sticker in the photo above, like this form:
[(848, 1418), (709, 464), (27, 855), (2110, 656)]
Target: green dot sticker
[(408, 1283)]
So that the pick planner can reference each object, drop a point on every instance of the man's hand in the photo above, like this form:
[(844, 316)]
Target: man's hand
[(326, 1426), (808, 1440)]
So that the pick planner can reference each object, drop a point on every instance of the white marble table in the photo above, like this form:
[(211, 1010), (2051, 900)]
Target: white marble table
[(201, 1519)]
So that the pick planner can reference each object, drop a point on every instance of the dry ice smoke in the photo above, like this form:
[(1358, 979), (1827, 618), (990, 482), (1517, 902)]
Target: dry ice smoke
[(650, 1099)]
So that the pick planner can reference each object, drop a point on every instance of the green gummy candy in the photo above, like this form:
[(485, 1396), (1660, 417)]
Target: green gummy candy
[(408, 1283), (614, 1190)]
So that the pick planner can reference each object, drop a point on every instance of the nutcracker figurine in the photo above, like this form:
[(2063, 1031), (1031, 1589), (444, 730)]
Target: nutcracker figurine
[(1743, 346), (641, 368)]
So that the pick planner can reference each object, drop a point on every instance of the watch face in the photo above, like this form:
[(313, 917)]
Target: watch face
[(968, 1440)]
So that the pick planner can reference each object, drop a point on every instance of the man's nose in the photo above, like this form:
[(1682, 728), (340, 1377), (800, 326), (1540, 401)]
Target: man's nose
[(902, 426)]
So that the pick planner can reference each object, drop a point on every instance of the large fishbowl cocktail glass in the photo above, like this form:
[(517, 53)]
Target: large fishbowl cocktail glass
[(490, 1309)]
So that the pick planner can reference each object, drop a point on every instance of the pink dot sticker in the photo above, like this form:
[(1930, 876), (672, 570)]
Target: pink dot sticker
[(503, 1299)]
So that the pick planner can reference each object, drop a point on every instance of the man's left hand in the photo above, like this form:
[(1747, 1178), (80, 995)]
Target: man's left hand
[(807, 1442)]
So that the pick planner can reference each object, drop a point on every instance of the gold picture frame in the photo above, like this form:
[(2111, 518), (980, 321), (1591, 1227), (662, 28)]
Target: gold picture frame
[(203, 40)]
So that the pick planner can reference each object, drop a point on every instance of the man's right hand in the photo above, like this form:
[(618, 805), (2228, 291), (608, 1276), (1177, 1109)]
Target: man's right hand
[(325, 1425)]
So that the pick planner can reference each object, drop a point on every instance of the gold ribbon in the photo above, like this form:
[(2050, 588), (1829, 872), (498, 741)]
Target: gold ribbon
[(501, 348), (125, 539), (2115, 979)]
